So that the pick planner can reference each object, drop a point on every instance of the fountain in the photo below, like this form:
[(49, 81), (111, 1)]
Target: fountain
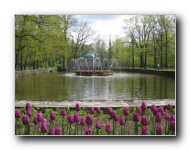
[(91, 65)]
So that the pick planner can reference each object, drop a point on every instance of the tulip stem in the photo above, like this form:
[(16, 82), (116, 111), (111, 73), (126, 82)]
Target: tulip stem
[(136, 128)]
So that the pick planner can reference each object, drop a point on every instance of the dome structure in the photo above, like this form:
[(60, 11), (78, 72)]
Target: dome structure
[(89, 56)]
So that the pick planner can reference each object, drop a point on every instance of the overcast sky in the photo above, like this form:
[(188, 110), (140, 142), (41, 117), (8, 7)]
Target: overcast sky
[(106, 25)]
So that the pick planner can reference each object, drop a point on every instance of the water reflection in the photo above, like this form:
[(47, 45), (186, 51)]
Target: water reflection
[(58, 86)]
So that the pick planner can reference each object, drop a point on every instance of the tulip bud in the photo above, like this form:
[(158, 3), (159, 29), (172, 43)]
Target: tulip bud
[(116, 118), (169, 107), (76, 117), (136, 117), (98, 125), (52, 116), (70, 118), (29, 112), (82, 121), (108, 128), (113, 114), (28, 105), (88, 119), (77, 107), (172, 125), (25, 119), (17, 113), (143, 106), (138, 110), (91, 110), (52, 131), (35, 120), (126, 111), (40, 116), (161, 110), (144, 130), (122, 121), (88, 131), (167, 116), (159, 130), (98, 109), (110, 110), (158, 117), (58, 131), (44, 126), (63, 112), (172, 118), (153, 107), (144, 120)]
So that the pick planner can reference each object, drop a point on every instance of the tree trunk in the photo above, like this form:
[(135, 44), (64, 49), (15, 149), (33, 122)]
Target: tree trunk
[(161, 63), (166, 61)]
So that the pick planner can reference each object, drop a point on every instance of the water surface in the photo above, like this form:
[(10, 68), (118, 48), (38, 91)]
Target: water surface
[(120, 86)]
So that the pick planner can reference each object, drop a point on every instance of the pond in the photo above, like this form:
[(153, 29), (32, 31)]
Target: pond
[(120, 86)]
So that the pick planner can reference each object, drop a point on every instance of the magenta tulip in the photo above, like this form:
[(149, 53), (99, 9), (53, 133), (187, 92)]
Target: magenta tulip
[(98, 125), (70, 118), (159, 130), (52, 131), (91, 110), (169, 107), (155, 111), (77, 107), (40, 116), (144, 130), (126, 111), (113, 114), (88, 131), (35, 120), (76, 117), (116, 118), (110, 110), (44, 128), (158, 117), (161, 110), (138, 110), (28, 105), (17, 113), (144, 120), (143, 106), (25, 119), (172, 125), (58, 131), (172, 118), (153, 107), (108, 128), (136, 117), (98, 109), (52, 116), (63, 112), (167, 116), (82, 121), (122, 121), (88, 119), (29, 112)]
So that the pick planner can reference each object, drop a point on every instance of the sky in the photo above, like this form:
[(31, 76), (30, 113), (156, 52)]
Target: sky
[(106, 25)]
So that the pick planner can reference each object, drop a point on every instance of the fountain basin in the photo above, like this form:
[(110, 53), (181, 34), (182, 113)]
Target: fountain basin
[(94, 72)]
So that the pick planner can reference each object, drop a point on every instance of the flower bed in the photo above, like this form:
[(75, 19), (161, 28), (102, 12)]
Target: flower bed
[(31, 120)]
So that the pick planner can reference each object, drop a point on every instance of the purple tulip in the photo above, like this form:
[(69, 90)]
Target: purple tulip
[(144, 120), (126, 111), (28, 105), (17, 113), (70, 118), (144, 130), (76, 117), (98, 125), (143, 106), (158, 117), (29, 112), (172, 118), (155, 111), (172, 125), (58, 131), (122, 121), (98, 109), (52, 131), (88, 119), (77, 107), (88, 131), (116, 118), (35, 120), (63, 112), (169, 107), (167, 116), (91, 110), (40, 116), (153, 107), (136, 117), (25, 119), (108, 128), (44, 128), (113, 114), (110, 110), (138, 110), (159, 130), (82, 121), (52, 116), (161, 110)]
